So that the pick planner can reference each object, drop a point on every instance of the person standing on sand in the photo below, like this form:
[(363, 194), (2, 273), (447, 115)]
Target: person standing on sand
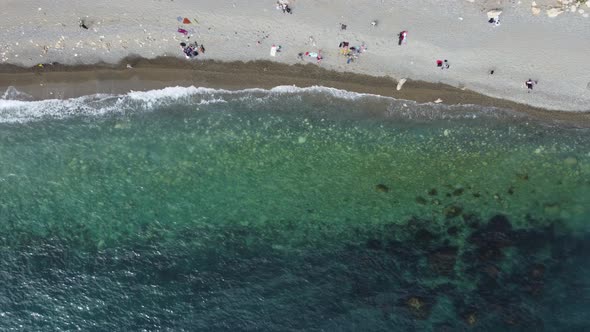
[(83, 24), (403, 37), (529, 84)]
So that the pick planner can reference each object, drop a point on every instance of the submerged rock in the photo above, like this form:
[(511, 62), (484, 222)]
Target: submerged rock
[(551, 208), (382, 188), (519, 316), (421, 200), (494, 236), (418, 306), (499, 223), (471, 220), (452, 211), (374, 244), (433, 192), (471, 319), (491, 239), (424, 238), (453, 230), (534, 283), (533, 240), (570, 161), (442, 260), (458, 191), (492, 271)]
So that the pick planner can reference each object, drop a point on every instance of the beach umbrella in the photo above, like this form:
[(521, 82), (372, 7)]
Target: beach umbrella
[(186, 21)]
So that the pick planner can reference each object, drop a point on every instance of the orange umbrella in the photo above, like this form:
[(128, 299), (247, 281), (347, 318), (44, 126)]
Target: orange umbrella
[(186, 21)]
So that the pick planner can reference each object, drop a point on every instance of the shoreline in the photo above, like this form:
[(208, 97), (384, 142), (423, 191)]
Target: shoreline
[(547, 50), (59, 81)]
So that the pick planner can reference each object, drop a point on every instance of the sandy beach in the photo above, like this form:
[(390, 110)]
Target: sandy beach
[(550, 50)]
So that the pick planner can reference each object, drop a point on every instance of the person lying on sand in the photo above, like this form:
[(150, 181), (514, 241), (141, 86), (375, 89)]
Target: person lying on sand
[(443, 64), (317, 55), (189, 50)]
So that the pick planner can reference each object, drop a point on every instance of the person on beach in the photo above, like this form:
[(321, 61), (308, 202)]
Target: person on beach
[(403, 37), (284, 7), (443, 64), (494, 20), (83, 25), (351, 57), (343, 47), (191, 50), (529, 84)]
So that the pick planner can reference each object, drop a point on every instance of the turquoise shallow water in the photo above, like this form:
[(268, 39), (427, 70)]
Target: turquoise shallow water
[(291, 209)]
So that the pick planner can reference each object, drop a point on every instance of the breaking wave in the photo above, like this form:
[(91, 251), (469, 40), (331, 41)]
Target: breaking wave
[(16, 107)]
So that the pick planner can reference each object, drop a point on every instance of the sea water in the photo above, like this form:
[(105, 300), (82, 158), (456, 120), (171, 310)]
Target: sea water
[(289, 209)]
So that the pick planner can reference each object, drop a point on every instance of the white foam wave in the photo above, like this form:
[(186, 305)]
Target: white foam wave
[(337, 93), (12, 93), (12, 111), (96, 105), (183, 92), (212, 101), (16, 111), (175, 92)]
